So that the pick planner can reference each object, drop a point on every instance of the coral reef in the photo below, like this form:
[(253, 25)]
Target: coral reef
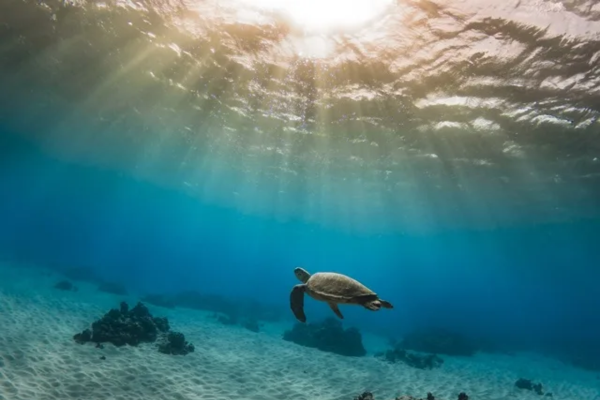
[(428, 361), (329, 336), (439, 341), (124, 326)]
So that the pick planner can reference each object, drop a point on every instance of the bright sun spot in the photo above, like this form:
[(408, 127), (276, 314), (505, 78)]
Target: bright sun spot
[(325, 14)]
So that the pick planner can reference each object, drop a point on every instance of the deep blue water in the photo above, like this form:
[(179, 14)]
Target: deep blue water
[(531, 287)]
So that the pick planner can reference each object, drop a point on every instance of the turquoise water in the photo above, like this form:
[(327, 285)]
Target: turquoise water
[(445, 155)]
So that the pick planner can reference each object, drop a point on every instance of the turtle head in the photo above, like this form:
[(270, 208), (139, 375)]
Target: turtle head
[(301, 274)]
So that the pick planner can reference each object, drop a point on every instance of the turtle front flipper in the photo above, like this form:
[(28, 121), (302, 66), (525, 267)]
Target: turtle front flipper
[(297, 302), (336, 310)]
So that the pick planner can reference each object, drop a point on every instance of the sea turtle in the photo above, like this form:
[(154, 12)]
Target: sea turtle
[(333, 289)]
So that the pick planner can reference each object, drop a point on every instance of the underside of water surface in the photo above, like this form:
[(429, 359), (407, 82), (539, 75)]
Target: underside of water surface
[(428, 116)]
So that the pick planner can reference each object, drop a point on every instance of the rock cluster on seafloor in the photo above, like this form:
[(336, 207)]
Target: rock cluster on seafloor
[(527, 384), (126, 326), (174, 343), (429, 396), (432, 342), (328, 335)]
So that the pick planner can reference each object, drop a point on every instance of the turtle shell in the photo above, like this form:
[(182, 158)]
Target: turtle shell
[(335, 287)]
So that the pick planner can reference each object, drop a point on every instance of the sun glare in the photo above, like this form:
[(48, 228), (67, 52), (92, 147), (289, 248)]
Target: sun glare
[(325, 14)]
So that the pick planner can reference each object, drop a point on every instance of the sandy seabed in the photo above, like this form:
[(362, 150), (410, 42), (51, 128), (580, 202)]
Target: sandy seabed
[(40, 360)]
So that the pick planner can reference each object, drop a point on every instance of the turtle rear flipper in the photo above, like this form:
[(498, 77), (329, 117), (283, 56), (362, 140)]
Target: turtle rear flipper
[(373, 302), (376, 305), (334, 307), (386, 304), (297, 302)]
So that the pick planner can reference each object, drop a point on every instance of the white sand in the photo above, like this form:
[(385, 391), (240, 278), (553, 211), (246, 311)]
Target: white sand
[(40, 360)]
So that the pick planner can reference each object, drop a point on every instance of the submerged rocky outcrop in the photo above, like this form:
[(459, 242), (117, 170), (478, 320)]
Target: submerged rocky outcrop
[(328, 335), (528, 384), (429, 396), (174, 343), (124, 326)]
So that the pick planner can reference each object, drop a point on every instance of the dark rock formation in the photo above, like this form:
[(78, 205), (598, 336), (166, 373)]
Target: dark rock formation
[(329, 336), (174, 343), (83, 337), (587, 356), (428, 361), (527, 384), (438, 341), (66, 286), (112, 287), (369, 396), (124, 326)]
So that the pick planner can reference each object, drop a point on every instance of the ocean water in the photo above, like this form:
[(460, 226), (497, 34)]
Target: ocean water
[(190, 154)]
